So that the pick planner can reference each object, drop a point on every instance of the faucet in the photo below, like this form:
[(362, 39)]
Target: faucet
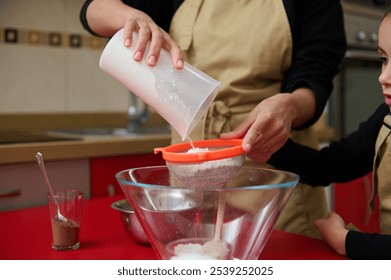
[(138, 113)]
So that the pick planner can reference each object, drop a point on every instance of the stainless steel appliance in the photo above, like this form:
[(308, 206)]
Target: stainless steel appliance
[(357, 91)]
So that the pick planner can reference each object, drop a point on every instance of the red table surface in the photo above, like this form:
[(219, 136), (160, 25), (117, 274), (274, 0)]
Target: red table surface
[(26, 235)]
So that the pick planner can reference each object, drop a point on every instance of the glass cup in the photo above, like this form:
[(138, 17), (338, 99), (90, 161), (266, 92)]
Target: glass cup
[(65, 230)]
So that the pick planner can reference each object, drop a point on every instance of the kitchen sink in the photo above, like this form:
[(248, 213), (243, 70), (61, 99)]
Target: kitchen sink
[(107, 131)]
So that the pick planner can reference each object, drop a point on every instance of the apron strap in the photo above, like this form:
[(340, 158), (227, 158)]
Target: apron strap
[(383, 134)]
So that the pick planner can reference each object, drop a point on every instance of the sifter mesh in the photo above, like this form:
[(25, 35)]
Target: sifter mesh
[(212, 173)]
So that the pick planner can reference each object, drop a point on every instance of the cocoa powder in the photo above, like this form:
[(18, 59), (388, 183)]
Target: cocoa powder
[(65, 233)]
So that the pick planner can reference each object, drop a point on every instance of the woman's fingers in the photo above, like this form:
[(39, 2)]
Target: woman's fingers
[(150, 33)]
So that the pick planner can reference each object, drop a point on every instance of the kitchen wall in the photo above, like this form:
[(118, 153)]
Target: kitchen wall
[(49, 63)]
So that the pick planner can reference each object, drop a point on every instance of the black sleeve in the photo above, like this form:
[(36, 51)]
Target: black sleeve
[(83, 17), (368, 246), (160, 11), (319, 45), (341, 161)]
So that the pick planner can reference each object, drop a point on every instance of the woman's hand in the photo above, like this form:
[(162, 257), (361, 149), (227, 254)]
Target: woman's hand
[(267, 128), (101, 21), (149, 31), (333, 230)]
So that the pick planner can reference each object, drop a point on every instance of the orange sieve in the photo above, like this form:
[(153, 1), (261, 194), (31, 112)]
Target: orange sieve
[(217, 149), (215, 163)]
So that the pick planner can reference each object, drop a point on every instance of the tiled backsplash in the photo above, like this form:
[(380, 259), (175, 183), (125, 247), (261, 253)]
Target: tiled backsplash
[(11, 35), (49, 63)]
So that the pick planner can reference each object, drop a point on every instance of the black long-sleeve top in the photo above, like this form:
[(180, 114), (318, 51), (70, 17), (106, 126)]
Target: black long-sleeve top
[(318, 36), (342, 161)]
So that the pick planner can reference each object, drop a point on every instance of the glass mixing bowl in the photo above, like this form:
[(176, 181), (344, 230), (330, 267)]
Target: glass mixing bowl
[(233, 221)]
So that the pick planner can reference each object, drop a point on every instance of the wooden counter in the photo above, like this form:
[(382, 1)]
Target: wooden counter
[(85, 148)]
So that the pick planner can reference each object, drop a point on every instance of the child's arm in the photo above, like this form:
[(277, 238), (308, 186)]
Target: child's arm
[(368, 246), (354, 244), (341, 161)]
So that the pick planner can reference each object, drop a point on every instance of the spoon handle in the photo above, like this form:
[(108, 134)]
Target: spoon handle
[(44, 174)]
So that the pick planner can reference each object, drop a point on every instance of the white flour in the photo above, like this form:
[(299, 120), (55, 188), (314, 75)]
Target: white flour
[(214, 249)]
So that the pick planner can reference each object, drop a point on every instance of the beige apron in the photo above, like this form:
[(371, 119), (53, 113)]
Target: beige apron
[(228, 40), (381, 176)]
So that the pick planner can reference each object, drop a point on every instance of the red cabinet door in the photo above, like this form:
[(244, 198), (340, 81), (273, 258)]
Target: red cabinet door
[(103, 170), (351, 202)]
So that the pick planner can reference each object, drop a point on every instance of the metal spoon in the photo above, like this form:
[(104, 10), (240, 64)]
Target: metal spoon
[(46, 178)]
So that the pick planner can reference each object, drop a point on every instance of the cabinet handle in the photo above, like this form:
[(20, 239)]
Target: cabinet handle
[(10, 193)]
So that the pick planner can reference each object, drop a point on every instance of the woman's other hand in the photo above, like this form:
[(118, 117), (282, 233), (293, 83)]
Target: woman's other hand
[(267, 128)]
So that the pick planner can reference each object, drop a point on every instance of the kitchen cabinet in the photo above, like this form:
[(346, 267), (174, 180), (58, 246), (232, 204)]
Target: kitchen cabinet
[(103, 170), (351, 202), (22, 185)]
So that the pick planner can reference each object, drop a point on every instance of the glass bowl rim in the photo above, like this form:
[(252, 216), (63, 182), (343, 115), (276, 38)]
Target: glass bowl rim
[(289, 184)]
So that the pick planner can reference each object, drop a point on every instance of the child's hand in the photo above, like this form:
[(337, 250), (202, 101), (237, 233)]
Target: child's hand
[(333, 231)]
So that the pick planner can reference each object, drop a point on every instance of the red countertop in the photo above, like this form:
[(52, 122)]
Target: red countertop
[(26, 235)]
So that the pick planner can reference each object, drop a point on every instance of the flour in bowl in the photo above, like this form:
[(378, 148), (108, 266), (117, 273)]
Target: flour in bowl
[(212, 250)]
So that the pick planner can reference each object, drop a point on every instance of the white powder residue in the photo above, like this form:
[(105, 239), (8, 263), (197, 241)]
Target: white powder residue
[(191, 169), (197, 150), (214, 249), (192, 257)]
